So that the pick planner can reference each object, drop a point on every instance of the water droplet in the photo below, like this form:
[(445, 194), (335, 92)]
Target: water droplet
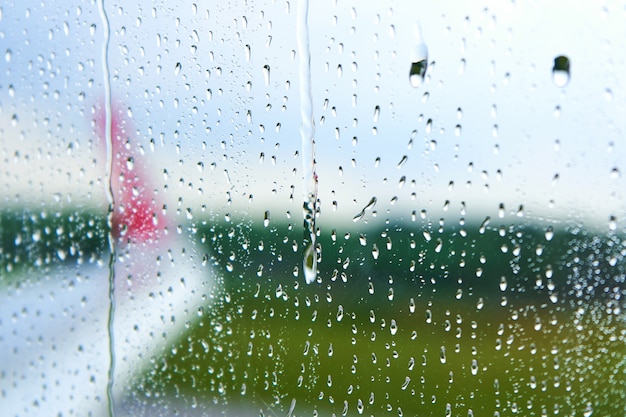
[(7, 55), (429, 126), (417, 72), (442, 354), (615, 173), (266, 218), (339, 312), (375, 251), (369, 206), (561, 71), (376, 113), (406, 383), (419, 60), (549, 233), (612, 223), (462, 67), (393, 327), (177, 68), (266, 74), (310, 264), (503, 284)]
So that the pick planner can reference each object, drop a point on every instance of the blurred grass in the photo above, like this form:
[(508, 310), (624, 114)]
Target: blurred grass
[(369, 337), (428, 327)]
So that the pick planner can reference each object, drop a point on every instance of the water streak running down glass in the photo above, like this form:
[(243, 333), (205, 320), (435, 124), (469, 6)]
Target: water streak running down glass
[(459, 168), (111, 203), (307, 134)]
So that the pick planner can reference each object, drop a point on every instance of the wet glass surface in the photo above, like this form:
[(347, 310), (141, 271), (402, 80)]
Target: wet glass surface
[(312, 208)]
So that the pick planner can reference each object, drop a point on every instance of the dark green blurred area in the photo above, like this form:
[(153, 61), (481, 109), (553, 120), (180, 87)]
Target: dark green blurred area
[(497, 319), (32, 240)]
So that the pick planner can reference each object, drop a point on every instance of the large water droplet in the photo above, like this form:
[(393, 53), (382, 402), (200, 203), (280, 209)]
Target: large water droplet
[(419, 59), (417, 72), (310, 264), (561, 71)]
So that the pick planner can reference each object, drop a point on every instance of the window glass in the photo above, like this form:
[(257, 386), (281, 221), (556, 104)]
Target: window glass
[(312, 208)]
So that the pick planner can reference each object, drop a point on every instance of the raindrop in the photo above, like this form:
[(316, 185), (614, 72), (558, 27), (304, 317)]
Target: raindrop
[(503, 284), (369, 206), (561, 71), (376, 113), (615, 174), (416, 74), (429, 126), (419, 60), (310, 264), (340, 313), (375, 251), (266, 74), (612, 223), (393, 327), (549, 233), (177, 68)]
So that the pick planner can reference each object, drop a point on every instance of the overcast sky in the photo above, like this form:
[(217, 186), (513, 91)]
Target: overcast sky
[(196, 84)]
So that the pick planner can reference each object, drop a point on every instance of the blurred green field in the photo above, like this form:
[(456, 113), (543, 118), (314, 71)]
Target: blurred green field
[(502, 319)]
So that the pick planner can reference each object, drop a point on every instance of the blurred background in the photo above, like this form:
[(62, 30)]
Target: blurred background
[(465, 171)]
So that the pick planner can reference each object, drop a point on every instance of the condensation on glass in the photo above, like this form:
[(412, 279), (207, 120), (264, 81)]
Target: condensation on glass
[(312, 208)]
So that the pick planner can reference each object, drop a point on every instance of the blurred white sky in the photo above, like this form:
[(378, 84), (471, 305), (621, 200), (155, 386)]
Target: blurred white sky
[(561, 166)]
